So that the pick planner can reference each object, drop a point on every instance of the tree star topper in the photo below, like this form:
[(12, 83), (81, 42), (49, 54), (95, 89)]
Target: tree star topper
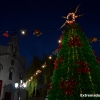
[(70, 18)]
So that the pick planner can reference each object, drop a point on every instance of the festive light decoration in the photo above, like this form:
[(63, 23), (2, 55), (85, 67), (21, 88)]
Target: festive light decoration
[(31, 77), (50, 57), (68, 86), (6, 34), (70, 19), (74, 41), (77, 69), (34, 75), (93, 40), (44, 65), (55, 52), (37, 32), (38, 71), (23, 32)]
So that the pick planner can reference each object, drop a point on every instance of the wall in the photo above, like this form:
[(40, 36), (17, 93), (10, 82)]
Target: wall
[(5, 61)]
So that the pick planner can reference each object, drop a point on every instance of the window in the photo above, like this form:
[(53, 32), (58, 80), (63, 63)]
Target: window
[(10, 75), (11, 71)]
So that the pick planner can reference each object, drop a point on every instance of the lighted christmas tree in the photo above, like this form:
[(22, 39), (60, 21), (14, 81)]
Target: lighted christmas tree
[(76, 68)]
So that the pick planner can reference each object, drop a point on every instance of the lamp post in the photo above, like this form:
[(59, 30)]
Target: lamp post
[(20, 86)]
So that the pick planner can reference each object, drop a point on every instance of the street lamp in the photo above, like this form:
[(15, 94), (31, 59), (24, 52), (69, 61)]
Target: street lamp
[(20, 86), (16, 85)]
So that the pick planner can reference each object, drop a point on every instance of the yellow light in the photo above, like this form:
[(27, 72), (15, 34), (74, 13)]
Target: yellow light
[(59, 41), (23, 32), (26, 82), (31, 77), (50, 57), (36, 73), (43, 66)]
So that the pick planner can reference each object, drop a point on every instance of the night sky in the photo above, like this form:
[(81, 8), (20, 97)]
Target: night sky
[(46, 15)]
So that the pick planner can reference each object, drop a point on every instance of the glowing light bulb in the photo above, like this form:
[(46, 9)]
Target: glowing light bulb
[(59, 41), (31, 77), (43, 66), (50, 57), (36, 73), (23, 32)]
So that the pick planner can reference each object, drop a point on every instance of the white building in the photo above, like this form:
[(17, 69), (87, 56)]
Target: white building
[(11, 69)]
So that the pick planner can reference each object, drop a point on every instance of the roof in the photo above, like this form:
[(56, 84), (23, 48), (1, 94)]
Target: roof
[(15, 58)]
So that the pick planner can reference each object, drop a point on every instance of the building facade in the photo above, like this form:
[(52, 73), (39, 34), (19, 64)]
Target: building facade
[(12, 68)]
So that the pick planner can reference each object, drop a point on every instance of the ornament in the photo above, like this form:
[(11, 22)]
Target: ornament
[(38, 71), (6, 34), (83, 67), (12, 62), (70, 18), (56, 64), (83, 70), (44, 65), (82, 63), (55, 52), (55, 67), (93, 40), (70, 83), (34, 75), (67, 86), (74, 41), (60, 59), (37, 32)]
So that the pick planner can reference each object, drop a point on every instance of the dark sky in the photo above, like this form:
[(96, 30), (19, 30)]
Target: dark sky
[(46, 15)]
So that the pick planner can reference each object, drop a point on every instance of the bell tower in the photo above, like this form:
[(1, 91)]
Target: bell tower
[(13, 47)]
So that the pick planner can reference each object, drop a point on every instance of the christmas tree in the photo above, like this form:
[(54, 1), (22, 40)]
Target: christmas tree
[(76, 68)]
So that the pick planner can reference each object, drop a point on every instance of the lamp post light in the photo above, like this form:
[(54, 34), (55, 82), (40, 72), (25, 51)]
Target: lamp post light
[(20, 86)]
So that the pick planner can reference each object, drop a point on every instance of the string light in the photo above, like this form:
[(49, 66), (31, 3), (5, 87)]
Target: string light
[(23, 32), (43, 66), (50, 57), (59, 41), (36, 73), (31, 77)]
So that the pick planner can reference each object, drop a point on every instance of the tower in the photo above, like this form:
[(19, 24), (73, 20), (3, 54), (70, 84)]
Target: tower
[(13, 47)]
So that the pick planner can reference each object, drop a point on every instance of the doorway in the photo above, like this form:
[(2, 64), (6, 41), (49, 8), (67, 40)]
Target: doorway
[(7, 96)]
